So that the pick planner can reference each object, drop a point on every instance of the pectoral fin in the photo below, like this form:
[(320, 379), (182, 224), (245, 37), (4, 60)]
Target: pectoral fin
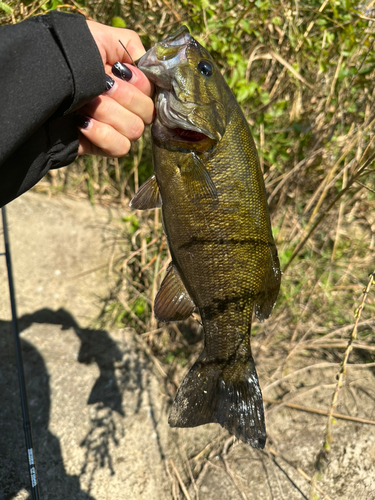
[(197, 181), (147, 196), (172, 302)]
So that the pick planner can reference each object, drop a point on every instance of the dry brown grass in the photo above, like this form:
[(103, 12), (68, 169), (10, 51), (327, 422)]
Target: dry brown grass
[(311, 68)]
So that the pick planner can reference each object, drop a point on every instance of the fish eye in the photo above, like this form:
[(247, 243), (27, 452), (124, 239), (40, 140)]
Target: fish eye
[(205, 68)]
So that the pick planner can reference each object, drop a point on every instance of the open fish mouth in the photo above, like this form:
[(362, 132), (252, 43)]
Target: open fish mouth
[(187, 139), (190, 135)]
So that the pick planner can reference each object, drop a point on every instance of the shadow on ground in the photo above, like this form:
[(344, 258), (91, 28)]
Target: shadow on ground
[(96, 346)]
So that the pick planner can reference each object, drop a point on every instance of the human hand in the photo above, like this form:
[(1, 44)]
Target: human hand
[(118, 116)]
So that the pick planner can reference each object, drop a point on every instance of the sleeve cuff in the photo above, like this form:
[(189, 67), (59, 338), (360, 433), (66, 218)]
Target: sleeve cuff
[(63, 136), (82, 56)]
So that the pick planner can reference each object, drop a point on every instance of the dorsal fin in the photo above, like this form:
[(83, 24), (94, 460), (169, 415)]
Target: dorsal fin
[(147, 196), (172, 302)]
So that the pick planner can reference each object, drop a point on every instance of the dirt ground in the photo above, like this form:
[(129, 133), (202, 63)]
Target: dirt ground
[(98, 406)]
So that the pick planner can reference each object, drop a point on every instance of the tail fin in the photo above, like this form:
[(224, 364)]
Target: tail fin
[(227, 393)]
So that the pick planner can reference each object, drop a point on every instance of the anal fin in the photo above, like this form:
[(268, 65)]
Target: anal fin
[(172, 302), (147, 196)]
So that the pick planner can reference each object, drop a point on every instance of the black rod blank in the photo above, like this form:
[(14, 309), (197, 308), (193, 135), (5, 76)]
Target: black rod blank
[(35, 495)]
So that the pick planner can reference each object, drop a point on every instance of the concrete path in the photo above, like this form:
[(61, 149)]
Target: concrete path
[(93, 398)]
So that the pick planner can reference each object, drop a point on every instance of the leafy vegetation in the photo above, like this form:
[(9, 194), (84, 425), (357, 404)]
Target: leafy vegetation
[(303, 72)]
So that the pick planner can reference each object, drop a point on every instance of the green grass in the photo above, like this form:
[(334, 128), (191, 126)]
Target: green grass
[(303, 73)]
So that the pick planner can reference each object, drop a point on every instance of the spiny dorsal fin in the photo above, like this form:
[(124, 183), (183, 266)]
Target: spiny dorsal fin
[(147, 196), (197, 181), (172, 302)]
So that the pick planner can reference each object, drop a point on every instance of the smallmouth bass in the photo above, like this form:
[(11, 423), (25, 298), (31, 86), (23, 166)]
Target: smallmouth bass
[(208, 181)]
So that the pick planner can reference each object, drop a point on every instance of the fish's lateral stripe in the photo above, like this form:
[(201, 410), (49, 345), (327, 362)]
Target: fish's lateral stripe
[(220, 305)]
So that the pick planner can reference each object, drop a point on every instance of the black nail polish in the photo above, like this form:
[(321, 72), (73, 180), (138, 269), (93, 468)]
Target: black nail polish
[(122, 71), (82, 121), (109, 83)]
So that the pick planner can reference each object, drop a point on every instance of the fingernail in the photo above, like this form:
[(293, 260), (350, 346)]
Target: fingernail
[(122, 71), (109, 83), (82, 121)]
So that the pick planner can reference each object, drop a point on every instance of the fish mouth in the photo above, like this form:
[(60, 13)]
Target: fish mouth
[(180, 139), (190, 135)]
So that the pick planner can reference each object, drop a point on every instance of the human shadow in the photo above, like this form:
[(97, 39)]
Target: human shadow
[(96, 347), (54, 481), (119, 371)]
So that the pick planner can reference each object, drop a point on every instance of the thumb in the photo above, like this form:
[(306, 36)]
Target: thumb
[(108, 40)]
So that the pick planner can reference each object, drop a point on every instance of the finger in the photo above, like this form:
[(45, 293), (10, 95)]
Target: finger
[(132, 99), (107, 39), (134, 46), (131, 74), (88, 148), (109, 141), (106, 110)]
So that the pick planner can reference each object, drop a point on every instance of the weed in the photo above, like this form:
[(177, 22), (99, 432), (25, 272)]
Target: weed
[(303, 73)]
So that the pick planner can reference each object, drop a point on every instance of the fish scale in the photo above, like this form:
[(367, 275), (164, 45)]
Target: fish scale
[(208, 181)]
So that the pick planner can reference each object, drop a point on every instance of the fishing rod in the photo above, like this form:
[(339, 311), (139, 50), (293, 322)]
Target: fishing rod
[(35, 495)]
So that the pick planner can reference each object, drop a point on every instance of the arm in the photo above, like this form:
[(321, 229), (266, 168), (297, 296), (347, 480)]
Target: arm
[(51, 66)]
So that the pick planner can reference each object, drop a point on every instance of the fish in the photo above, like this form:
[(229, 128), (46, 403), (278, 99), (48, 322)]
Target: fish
[(224, 263)]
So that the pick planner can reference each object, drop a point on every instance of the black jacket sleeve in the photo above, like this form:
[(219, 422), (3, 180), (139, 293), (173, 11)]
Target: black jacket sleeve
[(49, 67)]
